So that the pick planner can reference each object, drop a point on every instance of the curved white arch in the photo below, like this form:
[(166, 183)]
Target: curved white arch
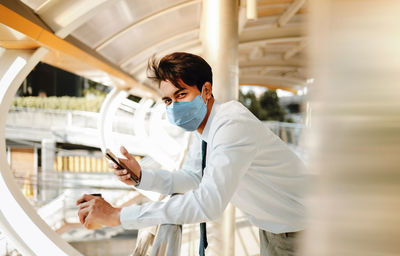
[(169, 142), (166, 148), (22, 225), (150, 131), (107, 112)]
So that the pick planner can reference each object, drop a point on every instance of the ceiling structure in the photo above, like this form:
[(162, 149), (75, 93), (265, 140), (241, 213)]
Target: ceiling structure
[(110, 41)]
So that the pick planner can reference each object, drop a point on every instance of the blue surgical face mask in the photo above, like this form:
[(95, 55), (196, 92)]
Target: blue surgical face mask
[(187, 114)]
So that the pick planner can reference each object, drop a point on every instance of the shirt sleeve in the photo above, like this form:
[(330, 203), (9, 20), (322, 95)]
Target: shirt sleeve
[(187, 178), (234, 146)]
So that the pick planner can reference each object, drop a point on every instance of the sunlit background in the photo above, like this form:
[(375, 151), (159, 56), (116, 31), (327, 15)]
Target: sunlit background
[(322, 75)]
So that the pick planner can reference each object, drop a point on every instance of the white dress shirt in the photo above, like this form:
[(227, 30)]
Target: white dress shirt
[(246, 165)]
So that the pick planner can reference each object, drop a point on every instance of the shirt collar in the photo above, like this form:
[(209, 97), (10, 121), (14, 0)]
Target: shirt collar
[(204, 135)]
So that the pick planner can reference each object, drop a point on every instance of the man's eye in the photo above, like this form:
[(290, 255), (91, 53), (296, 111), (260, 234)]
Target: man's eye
[(167, 102), (181, 95)]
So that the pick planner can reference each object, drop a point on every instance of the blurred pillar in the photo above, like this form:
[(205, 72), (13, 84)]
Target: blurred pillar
[(49, 177), (219, 36), (354, 136)]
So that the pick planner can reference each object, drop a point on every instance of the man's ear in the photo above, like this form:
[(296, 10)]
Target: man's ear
[(207, 88)]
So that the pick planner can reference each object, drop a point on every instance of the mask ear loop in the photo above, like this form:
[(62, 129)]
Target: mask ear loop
[(202, 95)]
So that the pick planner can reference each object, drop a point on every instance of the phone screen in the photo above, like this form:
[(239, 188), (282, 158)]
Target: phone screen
[(112, 157)]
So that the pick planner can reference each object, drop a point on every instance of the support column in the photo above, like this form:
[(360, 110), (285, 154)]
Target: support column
[(48, 177), (35, 175), (219, 35)]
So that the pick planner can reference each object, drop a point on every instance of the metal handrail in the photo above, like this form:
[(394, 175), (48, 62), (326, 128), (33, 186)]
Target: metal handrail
[(167, 241), (160, 240)]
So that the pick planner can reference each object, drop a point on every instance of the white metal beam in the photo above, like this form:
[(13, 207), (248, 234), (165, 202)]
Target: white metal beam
[(256, 53), (251, 9), (150, 50), (249, 36), (267, 49), (242, 19), (273, 80), (265, 41), (273, 61), (290, 12), (65, 16), (187, 46), (290, 53), (266, 69)]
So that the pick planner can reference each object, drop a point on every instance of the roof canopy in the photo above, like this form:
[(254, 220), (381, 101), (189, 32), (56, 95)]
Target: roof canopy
[(110, 41)]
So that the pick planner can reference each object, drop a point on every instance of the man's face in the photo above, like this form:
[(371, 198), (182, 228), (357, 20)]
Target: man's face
[(170, 93)]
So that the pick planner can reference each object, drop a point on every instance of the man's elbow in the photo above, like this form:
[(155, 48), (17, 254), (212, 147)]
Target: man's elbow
[(214, 216), (214, 212)]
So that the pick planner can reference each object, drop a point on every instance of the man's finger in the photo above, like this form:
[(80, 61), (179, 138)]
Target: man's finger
[(87, 220), (85, 198), (83, 213), (126, 153), (113, 166), (84, 205), (120, 172), (124, 177)]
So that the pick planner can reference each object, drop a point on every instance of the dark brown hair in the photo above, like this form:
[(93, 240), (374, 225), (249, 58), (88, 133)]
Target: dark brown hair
[(193, 70)]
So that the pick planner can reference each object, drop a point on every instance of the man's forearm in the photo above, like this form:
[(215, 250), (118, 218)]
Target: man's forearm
[(167, 183)]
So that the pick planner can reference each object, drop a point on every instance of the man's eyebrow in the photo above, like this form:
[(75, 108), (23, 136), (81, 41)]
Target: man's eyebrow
[(178, 91), (175, 93)]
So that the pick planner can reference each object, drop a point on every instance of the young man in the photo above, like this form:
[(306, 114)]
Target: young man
[(244, 163)]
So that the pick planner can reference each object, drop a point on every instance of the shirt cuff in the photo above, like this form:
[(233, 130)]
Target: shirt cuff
[(146, 180), (129, 217)]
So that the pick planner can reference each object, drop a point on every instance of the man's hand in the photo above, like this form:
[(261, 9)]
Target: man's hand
[(94, 209), (130, 162)]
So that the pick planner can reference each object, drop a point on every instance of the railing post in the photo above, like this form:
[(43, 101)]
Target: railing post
[(167, 241)]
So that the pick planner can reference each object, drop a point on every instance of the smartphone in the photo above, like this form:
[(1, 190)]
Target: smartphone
[(96, 194), (110, 156)]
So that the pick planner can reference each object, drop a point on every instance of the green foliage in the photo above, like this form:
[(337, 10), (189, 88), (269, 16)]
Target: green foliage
[(134, 98), (264, 108), (96, 89), (294, 108), (63, 103), (94, 92)]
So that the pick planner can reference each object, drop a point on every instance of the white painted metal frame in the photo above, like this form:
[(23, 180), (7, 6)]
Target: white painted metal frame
[(23, 226), (65, 16), (107, 112), (290, 53), (151, 48), (290, 12), (152, 137), (274, 80), (251, 9), (265, 41)]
